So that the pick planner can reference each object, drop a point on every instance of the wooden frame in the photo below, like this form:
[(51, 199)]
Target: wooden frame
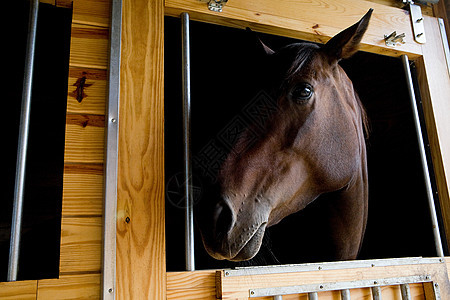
[(141, 270)]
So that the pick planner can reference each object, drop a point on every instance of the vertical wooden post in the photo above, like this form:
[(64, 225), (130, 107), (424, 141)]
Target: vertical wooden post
[(141, 271)]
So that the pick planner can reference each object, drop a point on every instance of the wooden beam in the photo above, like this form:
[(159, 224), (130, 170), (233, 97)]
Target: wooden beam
[(434, 84), (85, 286), (141, 272), (302, 20), (18, 290)]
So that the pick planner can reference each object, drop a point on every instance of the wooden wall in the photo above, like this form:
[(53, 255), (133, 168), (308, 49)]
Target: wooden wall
[(82, 208), (140, 251)]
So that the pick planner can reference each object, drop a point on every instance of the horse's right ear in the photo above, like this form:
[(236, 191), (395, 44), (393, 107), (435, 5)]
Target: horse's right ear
[(346, 43), (263, 46)]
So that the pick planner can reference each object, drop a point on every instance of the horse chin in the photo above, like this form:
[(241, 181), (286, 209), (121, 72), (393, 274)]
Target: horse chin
[(252, 246)]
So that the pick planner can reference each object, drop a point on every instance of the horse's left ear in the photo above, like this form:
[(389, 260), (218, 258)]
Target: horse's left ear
[(267, 50), (346, 43)]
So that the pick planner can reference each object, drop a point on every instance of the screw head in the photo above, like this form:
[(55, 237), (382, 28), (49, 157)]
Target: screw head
[(110, 290)]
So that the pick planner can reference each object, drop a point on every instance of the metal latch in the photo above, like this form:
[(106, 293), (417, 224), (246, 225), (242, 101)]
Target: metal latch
[(416, 21), (215, 5), (393, 39)]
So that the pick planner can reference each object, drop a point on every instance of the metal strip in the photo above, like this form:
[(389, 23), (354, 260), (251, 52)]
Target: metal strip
[(406, 292), (417, 23), (445, 43), (345, 294), (432, 208), (186, 77), (313, 296), (111, 160), (244, 271), (278, 297), (376, 293), (334, 286), (22, 146)]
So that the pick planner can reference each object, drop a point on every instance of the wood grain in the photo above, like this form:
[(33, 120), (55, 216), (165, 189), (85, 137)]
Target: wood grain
[(18, 290), (81, 241), (89, 47), (80, 287), (316, 20), (84, 139), (94, 91), (434, 83), (141, 270), (233, 287), (82, 190), (91, 12)]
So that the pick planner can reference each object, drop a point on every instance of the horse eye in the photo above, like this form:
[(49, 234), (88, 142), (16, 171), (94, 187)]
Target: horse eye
[(302, 92)]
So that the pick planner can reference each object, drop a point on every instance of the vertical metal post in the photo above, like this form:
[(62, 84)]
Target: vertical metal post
[(278, 297), (111, 160), (376, 293), (186, 77), (22, 146), (313, 296), (406, 293), (434, 220), (345, 294)]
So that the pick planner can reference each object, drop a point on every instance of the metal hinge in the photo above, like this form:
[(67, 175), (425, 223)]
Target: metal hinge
[(416, 21), (215, 5)]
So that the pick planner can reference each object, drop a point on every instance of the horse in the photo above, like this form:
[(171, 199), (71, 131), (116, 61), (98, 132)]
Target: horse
[(312, 147)]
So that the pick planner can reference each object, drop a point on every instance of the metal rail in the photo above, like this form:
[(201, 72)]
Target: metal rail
[(111, 160), (186, 77), (22, 146), (432, 208)]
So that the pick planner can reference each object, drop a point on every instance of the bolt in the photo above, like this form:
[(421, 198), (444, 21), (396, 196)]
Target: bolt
[(436, 284), (113, 120), (227, 273), (110, 290), (375, 282), (419, 20), (428, 277), (320, 268), (127, 219), (419, 35), (252, 292), (321, 287), (373, 265)]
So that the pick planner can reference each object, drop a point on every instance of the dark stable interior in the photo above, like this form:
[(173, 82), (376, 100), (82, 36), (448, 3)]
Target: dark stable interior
[(41, 227), (223, 66)]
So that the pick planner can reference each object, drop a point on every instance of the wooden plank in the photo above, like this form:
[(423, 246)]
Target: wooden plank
[(92, 12), (197, 279), (434, 83), (299, 19), (193, 294), (18, 290), (81, 241), (80, 287), (84, 139), (233, 287), (82, 190), (140, 222), (89, 47), (87, 91)]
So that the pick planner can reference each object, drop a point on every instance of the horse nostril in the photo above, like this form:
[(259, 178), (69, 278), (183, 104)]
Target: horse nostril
[(223, 218)]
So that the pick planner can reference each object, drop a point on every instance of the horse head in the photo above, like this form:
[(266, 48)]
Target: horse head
[(313, 144)]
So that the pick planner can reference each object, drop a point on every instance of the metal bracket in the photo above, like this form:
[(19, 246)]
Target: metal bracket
[(215, 5), (392, 39), (416, 21)]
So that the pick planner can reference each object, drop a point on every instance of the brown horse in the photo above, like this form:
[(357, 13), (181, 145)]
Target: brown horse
[(313, 145)]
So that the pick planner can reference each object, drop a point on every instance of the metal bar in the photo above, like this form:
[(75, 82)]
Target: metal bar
[(339, 265), (336, 286), (313, 296), (111, 160), (22, 146), (345, 294), (434, 220), (445, 43), (186, 77), (278, 297), (376, 293), (406, 293)]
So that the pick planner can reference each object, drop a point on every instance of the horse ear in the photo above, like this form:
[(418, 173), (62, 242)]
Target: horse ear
[(346, 43), (264, 47)]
